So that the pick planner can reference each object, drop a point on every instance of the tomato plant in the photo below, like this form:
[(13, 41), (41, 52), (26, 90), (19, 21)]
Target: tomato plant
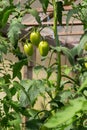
[(64, 97)]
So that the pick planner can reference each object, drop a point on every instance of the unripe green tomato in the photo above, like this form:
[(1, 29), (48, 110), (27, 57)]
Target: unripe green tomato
[(85, 46), (35, 38), (85, 64), (43, 48), (28, 49)]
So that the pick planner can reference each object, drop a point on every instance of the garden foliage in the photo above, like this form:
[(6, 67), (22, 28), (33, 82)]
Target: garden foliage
[(66, 95)]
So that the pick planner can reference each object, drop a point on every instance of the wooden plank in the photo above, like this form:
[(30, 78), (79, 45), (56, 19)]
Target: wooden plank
[(50, 9), (70, 34), (75, 23)]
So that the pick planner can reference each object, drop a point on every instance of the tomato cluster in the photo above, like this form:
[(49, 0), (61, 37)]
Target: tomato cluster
[(35, 39)]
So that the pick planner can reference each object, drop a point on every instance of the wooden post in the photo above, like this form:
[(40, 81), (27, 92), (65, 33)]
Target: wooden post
[(28, 71), (28, 74)]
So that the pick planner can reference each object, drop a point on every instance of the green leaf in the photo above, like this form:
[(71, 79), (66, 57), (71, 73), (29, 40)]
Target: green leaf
[(33, 124), (7, 78), (3, 48), (65, 95), (33, 88), (15, 121), (35, 91), (82, 43), (84, 108), (6, 90), (65, 51), (25, 97), (74, 51), (44, 4), (13, 91), (68, 53), (5, 87), (14, 31), (4, 15), (3, 4), (17, 68), (2, 81), (83, 86), (33, 112), (37, 69), (70, 14), (34, 13), (6, 107), (64, 115), (3, 45), (16, 85), (59, 11)]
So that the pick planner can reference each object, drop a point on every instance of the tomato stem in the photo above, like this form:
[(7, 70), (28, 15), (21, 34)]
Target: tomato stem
[(57, 44)]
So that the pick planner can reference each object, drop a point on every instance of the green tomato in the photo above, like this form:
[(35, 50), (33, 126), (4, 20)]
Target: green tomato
[(85, 46), (28, 49), (35, 38), (43, 48), (85, 64)]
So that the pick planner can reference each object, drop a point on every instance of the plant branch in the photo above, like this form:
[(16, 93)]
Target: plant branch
[(66, 76)]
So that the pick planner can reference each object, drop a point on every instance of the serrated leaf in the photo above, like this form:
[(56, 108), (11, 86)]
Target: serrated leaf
[(33, 124), (74, 51), (65, 95), (33, 112), (82, 43), (34, 13), (15, 121), (68, 112), (33, 88), (16, 85), (7, 78), (3, 45), (24, 98), (2, 81), (65, 51), (70, 14), (6, 90), (83, 86), (37, 69), (68, 53), (14, 31), (44, 4), (6, 107), (17, 68), (36, 89)]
